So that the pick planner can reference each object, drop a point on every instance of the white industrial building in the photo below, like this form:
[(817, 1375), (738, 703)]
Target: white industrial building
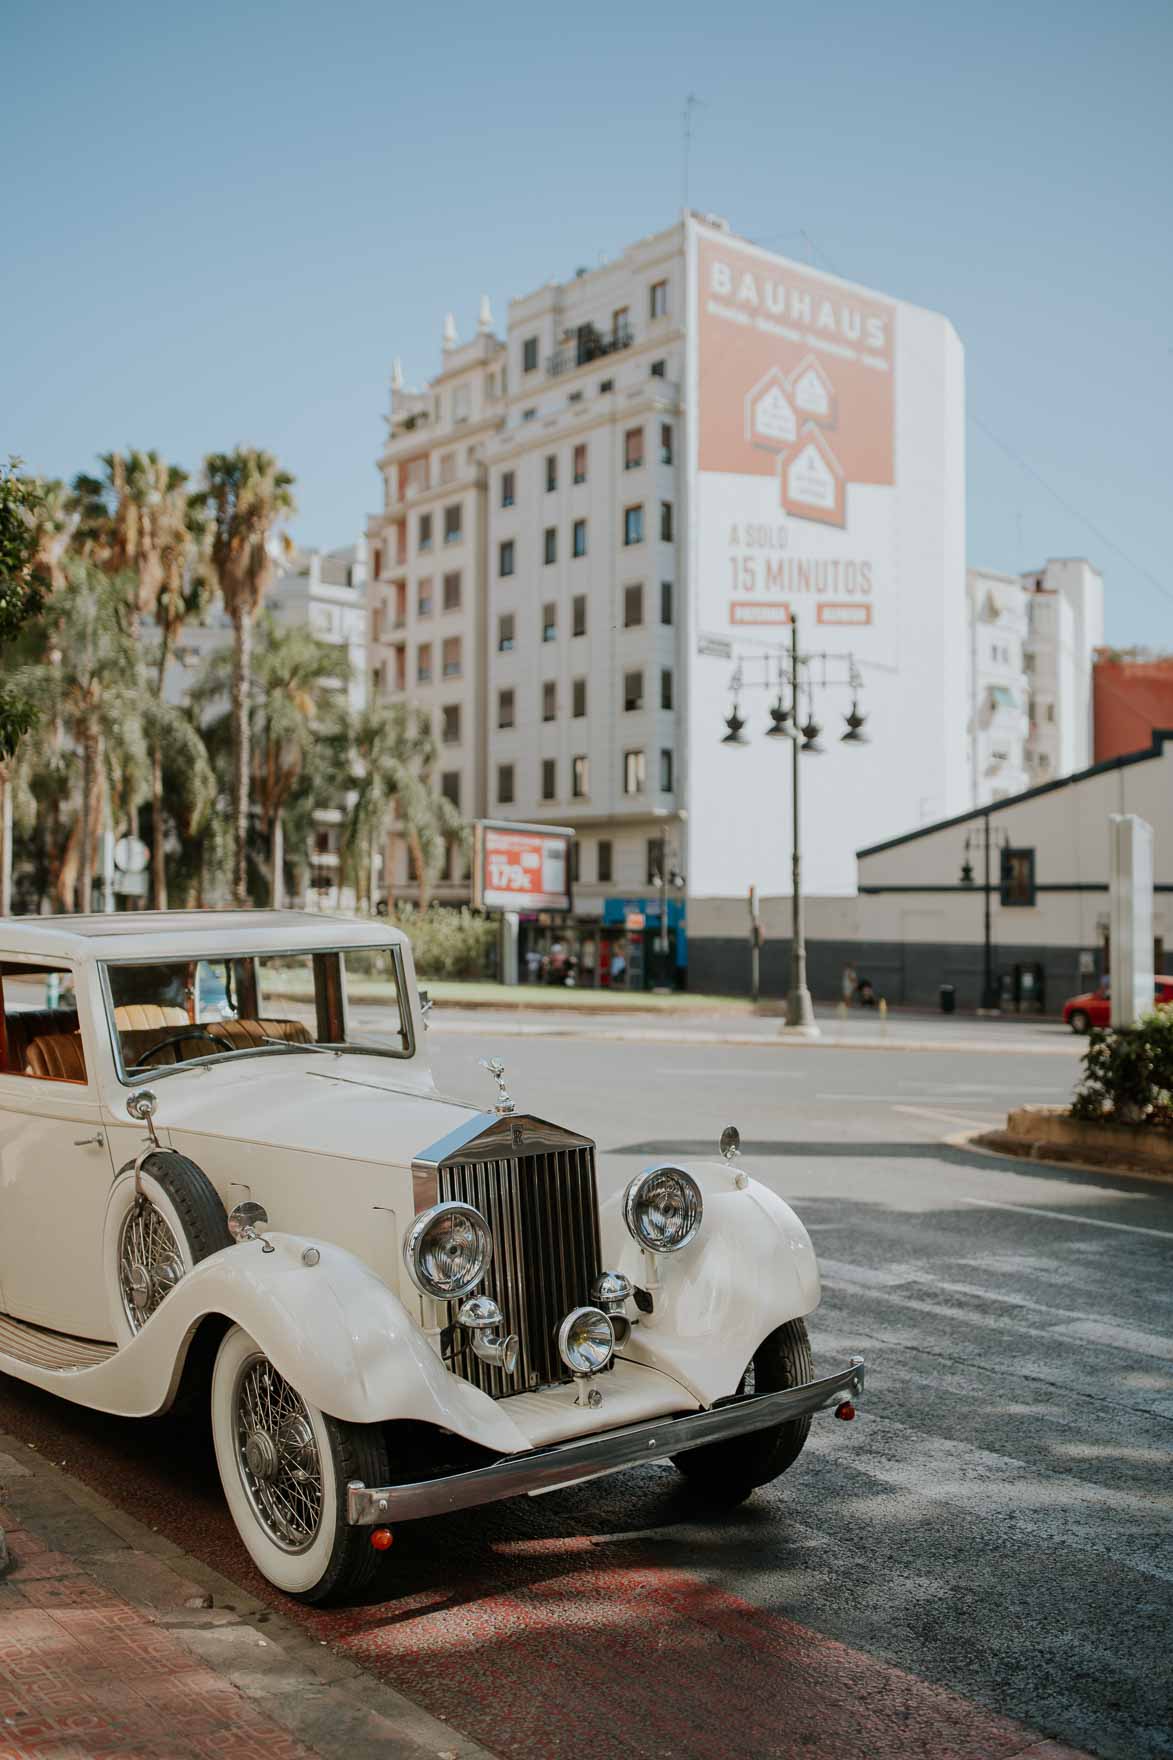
[(1032, 642)]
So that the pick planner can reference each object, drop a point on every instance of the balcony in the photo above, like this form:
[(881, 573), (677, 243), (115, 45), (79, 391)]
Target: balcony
[(587, 345)]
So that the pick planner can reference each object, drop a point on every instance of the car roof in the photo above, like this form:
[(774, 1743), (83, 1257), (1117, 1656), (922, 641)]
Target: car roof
[(188, 934)]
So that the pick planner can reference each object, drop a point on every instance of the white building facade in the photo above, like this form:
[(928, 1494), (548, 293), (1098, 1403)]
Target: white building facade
[(1032, 642)]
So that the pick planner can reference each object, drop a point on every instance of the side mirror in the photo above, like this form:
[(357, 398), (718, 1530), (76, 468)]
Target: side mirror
[(426, 1006), (730, 1142), (143, 1105), (245, 1222)]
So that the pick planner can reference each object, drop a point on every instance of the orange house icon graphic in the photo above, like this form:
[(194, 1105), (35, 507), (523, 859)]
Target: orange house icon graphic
[(770, 420), (813, 484), (812, 393)]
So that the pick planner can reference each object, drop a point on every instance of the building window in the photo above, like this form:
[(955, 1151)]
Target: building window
[(665, 442), (504, 708), (606, 385), (551, 472), (578, 615), (423, 663), (578, 698), (529, 355), (579, 538), (665, 687), (665, 771), (576, 861), (633, 525), (450, 656), (666, 602), (452, 524), (658, 299), (448, 468), (549, 779), (549, 701), (376, 562), (423, 597), (666, 522), (620, 323), (508, 488), (603, 861), (505, 557), (460, 403), (450, 724), (505, 633), (633, 691), (659, 370), (652, 853), (633, 606), (425, 532), (505, 784), (635, 772), (580, 778), (633, 449), (450, 787), (550, 546), (580, 462), (452, 591), (528, 415), (1018, 877), (549, 623)]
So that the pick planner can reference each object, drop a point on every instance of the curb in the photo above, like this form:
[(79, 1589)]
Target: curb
[(762, 1041), (1001, 1146), (326, 1702)]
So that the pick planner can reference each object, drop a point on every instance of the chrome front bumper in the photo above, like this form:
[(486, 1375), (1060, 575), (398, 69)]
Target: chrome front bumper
[(587, 1457)]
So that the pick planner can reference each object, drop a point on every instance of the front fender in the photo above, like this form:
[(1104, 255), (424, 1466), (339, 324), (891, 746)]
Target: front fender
[(751, 1267), (333, 1330)]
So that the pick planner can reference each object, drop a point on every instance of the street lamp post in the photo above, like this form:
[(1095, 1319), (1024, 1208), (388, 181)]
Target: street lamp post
[(790, 665), (986, 837)]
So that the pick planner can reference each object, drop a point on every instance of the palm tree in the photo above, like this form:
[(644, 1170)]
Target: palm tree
[(393, 755), (295, 723), (246, 494), (184, 587), (126, 519)]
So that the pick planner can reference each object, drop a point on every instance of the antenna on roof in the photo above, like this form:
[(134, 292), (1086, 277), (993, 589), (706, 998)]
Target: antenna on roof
[(690, 104)]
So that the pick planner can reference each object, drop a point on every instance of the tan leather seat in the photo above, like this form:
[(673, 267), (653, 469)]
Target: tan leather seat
[(133, 1016), (56, 1057), (23, 1025), (242, 1034)]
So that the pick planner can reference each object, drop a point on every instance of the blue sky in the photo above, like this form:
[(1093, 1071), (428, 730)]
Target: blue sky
[(221, 225)]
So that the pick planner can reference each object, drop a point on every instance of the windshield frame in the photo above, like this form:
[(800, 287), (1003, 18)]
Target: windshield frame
[(152, 1073)]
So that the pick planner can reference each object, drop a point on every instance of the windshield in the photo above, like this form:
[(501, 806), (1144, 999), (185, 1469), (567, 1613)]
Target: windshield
[(166, 1015)]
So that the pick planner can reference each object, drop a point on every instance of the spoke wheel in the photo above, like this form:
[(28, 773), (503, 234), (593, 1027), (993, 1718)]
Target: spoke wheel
[(277, 1455), (150, 1262)]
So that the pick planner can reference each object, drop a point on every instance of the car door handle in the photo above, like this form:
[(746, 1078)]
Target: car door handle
[(85, 1142)]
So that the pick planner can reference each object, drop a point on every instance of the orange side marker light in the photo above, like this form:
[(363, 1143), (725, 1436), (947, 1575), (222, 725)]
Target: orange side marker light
[(381, 1539), (846, 1411)]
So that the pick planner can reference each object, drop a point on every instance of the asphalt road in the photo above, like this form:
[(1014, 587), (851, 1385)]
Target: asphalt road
[(983, 1560)]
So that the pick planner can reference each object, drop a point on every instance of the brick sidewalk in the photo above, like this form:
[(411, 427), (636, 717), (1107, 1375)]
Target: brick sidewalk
[(113, 1643)]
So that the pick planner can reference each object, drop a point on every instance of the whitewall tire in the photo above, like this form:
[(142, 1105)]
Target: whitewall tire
[(153, 1239), (285, 1466)]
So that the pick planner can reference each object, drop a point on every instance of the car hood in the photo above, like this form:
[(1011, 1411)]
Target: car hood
[(356, 1107)]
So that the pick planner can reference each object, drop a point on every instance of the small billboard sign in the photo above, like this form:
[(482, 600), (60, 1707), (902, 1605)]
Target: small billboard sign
[(521, 867)]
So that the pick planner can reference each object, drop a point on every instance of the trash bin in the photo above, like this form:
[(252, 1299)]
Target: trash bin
[(948, 998)]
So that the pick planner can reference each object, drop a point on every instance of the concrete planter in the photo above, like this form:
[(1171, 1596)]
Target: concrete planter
[(1049, 1133)]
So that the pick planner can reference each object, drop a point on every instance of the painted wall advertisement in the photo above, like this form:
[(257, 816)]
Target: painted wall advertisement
[(795, 451), (520, 867)]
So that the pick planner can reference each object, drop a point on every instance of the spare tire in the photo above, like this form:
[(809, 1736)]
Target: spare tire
[(150, 1242)]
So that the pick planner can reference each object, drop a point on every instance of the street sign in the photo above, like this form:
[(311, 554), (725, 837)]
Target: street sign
[(131, 855)]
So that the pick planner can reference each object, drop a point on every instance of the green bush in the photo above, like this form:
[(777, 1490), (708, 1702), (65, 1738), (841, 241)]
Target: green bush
[(449, 943), (1128, 1073)]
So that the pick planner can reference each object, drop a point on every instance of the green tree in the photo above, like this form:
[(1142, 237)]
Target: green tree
[(393, 755), (247, 495)]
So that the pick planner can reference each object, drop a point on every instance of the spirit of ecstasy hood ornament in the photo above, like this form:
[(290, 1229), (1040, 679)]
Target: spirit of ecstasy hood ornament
[(497, 1070)]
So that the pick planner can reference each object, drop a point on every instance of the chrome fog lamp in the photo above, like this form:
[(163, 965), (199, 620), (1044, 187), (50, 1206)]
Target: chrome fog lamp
[(586, 1341), (663, 1209), (611, 1291), (447, 1250), (481, 1316)]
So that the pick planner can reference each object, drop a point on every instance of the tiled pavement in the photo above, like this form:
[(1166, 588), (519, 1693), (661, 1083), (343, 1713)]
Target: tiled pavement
[(114, 1644)]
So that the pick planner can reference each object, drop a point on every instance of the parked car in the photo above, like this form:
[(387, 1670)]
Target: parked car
[(1094, 1007), (393, 1304)]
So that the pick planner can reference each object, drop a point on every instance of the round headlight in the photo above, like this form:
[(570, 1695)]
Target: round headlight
[(447, 1250), (586, 1341), (663, 1208)]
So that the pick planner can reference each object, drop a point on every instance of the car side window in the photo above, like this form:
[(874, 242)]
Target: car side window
[(39, 1031)]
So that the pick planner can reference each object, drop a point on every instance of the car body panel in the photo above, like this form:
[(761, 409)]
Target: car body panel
[(1097, 1003)]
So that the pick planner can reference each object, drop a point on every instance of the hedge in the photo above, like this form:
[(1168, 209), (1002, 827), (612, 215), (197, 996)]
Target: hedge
[(1128, 1073)]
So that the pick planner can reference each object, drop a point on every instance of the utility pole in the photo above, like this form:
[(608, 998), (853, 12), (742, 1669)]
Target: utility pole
[(992, 837), (800, 1012)]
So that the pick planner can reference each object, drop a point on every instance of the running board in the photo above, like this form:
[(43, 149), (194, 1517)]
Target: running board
[(41, 1349)]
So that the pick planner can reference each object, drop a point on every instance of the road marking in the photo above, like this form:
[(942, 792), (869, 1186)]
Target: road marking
[(737, 1075), (1161, 1234), (939, 1117)]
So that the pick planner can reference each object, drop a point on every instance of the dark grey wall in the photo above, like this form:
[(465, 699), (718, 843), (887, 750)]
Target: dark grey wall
[(908, 974)]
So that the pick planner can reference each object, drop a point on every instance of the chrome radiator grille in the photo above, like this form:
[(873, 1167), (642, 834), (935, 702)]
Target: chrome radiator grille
[(543, 1211)]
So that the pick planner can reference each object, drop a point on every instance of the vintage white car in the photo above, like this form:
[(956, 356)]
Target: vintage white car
[(226, 1174)]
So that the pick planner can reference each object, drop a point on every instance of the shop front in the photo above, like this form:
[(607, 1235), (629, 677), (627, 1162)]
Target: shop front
[(619, 951)]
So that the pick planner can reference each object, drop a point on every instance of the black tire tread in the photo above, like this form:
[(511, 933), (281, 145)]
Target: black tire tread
[(360, 1452), (196, 1200), (726, 1472)]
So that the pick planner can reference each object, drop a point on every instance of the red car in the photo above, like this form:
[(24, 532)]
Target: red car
[(1094, 1008)]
